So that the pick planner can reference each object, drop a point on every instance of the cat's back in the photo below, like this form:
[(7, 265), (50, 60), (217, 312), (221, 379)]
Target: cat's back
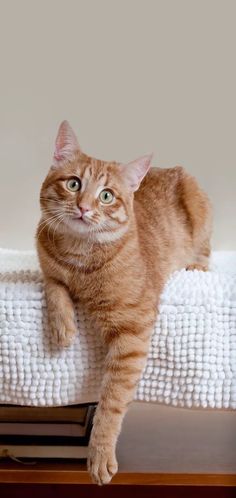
[(173, 213), (171, 187), (161, 186), (164, 180)]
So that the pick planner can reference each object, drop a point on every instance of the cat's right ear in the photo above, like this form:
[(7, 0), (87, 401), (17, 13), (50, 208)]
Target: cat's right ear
[(66, 145)]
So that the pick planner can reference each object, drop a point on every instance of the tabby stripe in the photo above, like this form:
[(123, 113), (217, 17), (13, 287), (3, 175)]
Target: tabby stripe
[(122, 368), (131, 355)]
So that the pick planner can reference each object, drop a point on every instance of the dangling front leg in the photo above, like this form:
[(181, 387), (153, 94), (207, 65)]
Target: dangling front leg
[(123, 367)]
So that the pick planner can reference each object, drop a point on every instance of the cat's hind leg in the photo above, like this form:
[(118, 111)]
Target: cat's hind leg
[(201, 260), (197, 266), (198, 211)]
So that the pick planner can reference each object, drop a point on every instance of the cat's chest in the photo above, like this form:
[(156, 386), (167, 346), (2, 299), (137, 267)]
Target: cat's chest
[(88, 284), (101, 275), (84, 276)]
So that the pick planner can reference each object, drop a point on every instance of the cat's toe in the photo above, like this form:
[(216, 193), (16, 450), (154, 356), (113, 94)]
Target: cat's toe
[(62, 336), (197, 266), (102, 464)]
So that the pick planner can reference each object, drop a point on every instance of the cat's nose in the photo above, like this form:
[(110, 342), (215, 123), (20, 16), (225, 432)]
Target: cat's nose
[(84, 208)]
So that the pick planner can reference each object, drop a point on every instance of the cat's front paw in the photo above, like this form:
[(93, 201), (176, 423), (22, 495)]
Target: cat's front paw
[(102, 464), (62, 335), (197, 266)]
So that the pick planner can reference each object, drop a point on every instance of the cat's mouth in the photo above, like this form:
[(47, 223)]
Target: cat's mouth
[(80, 219), (81, 223)]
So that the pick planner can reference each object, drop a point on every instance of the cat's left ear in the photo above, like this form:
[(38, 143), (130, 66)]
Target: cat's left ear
[(66, 145), (134, 172)]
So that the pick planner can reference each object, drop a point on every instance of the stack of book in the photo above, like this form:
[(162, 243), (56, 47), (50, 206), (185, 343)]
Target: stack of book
[(57, 432)]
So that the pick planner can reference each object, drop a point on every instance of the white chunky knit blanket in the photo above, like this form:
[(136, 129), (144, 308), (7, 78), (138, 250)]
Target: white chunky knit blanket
[(192, 358)]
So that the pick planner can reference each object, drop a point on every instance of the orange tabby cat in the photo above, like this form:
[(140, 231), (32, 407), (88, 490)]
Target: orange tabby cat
[(109, 236)]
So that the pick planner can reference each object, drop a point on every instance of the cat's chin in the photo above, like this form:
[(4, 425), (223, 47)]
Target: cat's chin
[(79, 225), (79, 221)]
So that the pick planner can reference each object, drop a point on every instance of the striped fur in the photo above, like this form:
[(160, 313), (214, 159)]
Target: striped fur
[(115, 264)]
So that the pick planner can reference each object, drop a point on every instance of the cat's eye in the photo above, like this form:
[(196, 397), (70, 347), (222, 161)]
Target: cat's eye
[(106, 196), (73, 184)]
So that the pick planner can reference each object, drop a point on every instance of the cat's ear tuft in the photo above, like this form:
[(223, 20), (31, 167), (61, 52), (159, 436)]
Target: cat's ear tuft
[(135, 171), (66, 145)]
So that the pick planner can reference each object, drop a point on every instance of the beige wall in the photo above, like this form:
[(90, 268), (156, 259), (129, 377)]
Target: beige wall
[(132, 77)]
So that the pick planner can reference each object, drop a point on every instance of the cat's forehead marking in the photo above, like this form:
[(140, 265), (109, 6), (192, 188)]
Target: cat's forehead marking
[(96, 174), (94, 177), (99, 170), (87, 174), (101, 176), (85, 177)]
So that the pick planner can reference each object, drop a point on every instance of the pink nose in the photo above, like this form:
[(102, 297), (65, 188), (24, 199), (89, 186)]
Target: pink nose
[(84, 208)]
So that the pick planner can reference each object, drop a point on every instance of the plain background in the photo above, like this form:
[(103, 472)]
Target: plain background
[(132, 77)]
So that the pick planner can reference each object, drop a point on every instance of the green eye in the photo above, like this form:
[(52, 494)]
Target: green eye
[(73, 184), (106, 196)]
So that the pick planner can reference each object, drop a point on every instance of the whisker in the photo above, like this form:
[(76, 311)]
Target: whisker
[(55, 225), (51, 199), (55, 228), (47, 222), (49, 218), (50, 226), (57, 209), (68, 210), (51, 211)]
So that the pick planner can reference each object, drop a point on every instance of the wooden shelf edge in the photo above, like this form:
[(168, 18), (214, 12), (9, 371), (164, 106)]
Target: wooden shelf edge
[(53, 476)]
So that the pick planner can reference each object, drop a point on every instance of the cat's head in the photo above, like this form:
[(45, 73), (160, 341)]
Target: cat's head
[(87, 196)]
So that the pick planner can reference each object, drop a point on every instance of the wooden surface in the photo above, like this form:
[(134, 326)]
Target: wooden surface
[(158, 446), (74, 473)]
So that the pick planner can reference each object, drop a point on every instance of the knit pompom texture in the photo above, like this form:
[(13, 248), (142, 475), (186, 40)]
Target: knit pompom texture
[(192, 357)]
